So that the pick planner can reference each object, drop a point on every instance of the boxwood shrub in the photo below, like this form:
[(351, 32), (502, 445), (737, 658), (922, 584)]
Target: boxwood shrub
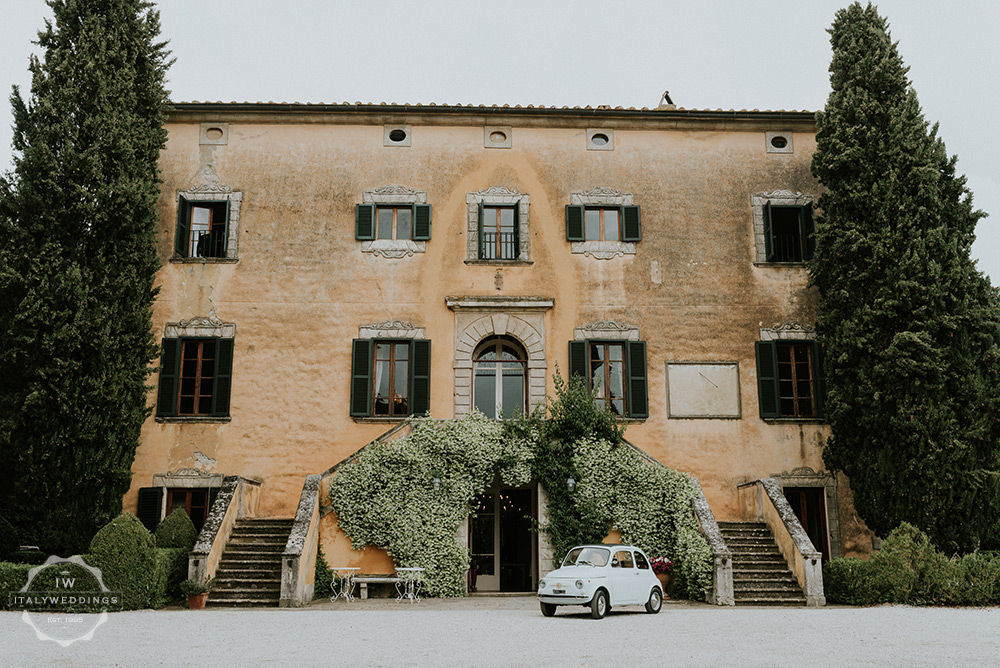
[(176, 530), (123, 550), (12, 578), (171, 570)]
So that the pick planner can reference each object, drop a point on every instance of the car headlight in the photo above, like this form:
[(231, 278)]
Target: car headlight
[(541, 584), (579, 584)]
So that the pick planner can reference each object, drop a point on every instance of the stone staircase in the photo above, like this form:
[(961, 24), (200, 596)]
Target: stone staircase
[(760, 573), (249, 572)]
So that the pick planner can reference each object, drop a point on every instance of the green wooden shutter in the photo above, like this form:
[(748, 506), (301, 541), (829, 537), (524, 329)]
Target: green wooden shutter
[(638, 391), (361, 377), (421, 222), (768, 239), (170, 363), (420, 376), (578, 359), (631, 224), (150, 506), (223, 377), (574, 223), (517, 231), (224, 251), (819, 379), (181, 237), (482, 241), (808, 232), (364, 222), (767, 379)]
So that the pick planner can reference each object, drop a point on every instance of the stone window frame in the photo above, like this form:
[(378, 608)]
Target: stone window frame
[(804, 476), (209, 327), (479, 318), (792, 331), (776, 198), (607, 132), (389, 330), (770, 135), (390, 195), (603, 250), (389, 129), (498, 196), (214, 193), (488, 132)]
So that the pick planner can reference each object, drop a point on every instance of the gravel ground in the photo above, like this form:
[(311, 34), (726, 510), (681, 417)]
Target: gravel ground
[(510, 631)]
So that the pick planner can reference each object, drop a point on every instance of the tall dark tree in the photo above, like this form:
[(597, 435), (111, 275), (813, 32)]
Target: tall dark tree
[(911, 328), (77, 261)]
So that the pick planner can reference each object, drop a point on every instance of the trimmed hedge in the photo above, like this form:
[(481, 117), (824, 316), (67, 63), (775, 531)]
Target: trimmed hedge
[(171, 570), (9, 540), (12, 578), (123, 550), (176, 530), (909, 570)]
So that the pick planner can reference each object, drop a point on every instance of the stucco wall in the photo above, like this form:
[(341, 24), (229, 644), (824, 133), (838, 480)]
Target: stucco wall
[(302, 287)]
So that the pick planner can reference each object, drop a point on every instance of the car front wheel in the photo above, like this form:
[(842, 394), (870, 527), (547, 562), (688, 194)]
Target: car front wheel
[(548, 609), (655, 601), (599, 606)]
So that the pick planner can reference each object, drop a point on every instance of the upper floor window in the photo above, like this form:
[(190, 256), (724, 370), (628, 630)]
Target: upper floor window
[(393, 222), (615, 371), (790, 379), (784, 231), (498, 226), (390, 378), (207, 224), (195, 377), (498, 238), (603, 223)]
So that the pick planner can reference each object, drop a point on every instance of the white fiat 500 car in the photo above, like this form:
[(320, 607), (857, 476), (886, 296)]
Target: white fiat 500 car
[(599, 577)]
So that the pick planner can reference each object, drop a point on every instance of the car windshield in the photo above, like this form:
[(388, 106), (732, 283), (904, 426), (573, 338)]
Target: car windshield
[(587, 556)]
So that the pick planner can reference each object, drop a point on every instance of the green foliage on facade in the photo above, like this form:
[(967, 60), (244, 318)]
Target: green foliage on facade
[(910, 327), (77, 259), (123, 550), (387, 498), (176, 530), (909, 569)]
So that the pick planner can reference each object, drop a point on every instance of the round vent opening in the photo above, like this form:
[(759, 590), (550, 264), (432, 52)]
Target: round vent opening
[(498, 137), (779, 142), (397, 135), (599, 139), (214, 134)]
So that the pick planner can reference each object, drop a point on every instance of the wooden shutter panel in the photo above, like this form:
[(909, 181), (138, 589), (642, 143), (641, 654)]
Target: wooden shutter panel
[(150, 506), (517, 231), (819, 379), (420, 376), (638, 391), (223, 377), (422, 222), (224, 242), (364, 222), (808, 232), (361, 375), (631, 224), (578, 359), (767, 379), (482, 240), (768, 240), (574, 223), (170, 362), (182, 234)]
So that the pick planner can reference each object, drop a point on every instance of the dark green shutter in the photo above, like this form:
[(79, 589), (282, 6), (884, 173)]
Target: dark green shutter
[(808, 232), (574, 223), (482, 239), (170, 362), (364, 222), (361, 375), (767, 379), (517, 231), (150, 506), (638, 391), (768, 240), (420, 376), (224, 250), (223, 377), (422, 222), (182, 235), (631, 224), (578, 359), (819, 379)]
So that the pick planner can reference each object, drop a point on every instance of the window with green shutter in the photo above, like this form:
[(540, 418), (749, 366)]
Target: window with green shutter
[(615, 371), (390, 378), (790, 381), (789, 232), (207, 224), (195, 377)]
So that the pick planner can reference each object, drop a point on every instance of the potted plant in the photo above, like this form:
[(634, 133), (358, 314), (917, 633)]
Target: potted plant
[(664, 569), (196, 592)]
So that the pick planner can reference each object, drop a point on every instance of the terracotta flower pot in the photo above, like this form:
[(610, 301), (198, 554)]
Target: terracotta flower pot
[(197, 601), (665, 579)]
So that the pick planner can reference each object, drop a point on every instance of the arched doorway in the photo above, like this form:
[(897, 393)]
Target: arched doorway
[(499, 372)]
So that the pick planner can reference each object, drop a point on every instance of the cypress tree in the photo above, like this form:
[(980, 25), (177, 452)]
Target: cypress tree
[(911, 327), (77, 262)]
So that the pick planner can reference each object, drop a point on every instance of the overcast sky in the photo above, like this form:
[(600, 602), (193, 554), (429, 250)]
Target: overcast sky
[(732, 54)]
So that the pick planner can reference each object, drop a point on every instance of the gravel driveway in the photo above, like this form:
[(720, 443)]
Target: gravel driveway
[(510, 631)]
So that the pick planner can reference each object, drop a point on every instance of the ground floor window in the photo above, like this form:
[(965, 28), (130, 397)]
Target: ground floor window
[(500, 371)]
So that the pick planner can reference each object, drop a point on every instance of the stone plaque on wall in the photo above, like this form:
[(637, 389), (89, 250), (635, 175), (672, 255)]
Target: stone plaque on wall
[(703, 390)]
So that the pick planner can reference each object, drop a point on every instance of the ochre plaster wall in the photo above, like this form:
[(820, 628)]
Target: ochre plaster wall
[(302, 287)]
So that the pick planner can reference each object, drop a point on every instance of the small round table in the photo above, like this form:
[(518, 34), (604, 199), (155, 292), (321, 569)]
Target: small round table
[(409, 588), (346, 582)]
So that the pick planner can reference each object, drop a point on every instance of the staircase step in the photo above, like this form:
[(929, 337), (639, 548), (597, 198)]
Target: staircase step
[(771, 601), (243, 603), (230, 587)]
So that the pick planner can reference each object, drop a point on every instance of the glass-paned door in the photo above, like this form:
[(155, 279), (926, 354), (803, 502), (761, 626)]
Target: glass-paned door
[(499, 378), (502, 543)]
